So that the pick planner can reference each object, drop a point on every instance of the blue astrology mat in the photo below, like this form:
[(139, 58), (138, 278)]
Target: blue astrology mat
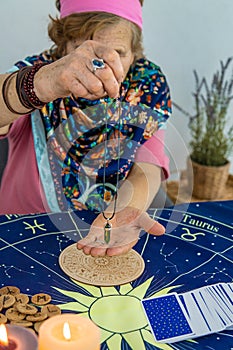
[(196, 251)]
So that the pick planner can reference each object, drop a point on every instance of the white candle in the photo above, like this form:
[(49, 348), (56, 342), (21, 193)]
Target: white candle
[(17, 338), (69, 332)]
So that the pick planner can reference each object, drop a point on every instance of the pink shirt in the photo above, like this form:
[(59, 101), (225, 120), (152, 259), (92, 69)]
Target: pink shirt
[(21, 191), (152, 151)]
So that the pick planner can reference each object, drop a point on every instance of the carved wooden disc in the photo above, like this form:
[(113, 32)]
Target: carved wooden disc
[(101, 271)]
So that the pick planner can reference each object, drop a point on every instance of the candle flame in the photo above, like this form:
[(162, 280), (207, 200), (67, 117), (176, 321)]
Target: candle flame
[(3, 335), (66, 331)]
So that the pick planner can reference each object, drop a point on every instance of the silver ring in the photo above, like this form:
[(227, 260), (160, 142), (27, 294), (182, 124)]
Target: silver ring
[(97, 63)]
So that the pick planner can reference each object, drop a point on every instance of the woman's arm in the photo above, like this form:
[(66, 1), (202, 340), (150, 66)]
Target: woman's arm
[(140, 187), (134, 197), (72, 74), (7, 117)]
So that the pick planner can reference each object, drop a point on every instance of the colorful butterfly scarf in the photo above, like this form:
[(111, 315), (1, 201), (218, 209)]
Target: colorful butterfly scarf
[(76, 140)]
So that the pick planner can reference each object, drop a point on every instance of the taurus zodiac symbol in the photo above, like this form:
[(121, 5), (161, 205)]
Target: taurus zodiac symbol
[(188, 236)]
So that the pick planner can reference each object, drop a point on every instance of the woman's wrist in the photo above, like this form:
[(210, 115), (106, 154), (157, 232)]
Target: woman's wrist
[(127, 198), (18, 92), (10, 96), (139, 189), (25, 86)]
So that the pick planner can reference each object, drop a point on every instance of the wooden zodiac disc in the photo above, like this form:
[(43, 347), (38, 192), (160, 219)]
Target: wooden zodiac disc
[(102, 270)]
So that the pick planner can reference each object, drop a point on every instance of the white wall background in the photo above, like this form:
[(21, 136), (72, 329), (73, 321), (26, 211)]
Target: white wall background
[(179, 35)]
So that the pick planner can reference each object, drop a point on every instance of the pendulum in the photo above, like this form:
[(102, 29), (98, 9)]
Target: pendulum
[(107, 231), (108, 226)]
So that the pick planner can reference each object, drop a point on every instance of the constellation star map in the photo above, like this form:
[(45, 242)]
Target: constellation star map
[(196, 251)]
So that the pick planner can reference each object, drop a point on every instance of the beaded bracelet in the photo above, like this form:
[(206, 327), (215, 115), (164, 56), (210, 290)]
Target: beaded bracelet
[(5, 86), (25, 86)]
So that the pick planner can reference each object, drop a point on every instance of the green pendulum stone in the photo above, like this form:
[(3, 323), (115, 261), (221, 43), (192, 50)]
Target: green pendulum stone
[(107, 231)]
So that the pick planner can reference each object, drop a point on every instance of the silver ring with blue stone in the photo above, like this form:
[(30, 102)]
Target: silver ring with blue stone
[(97, 63)]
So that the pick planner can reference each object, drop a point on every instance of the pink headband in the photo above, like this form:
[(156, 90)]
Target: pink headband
[(128, 9)]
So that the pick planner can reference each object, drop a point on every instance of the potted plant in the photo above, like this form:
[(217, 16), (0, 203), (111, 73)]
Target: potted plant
[(211, 129)]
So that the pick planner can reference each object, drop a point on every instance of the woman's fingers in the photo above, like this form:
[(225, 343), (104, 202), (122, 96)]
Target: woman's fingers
[(117, 246), (112, 59), (75, 74), (87, 85), (121, 249), (93, 243), (125, 231), (92, 246), (108, 81), (149, 225), (97, 82), (122, 239)]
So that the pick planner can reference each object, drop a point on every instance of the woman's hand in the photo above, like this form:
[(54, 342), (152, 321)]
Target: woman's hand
[(74, 74), (126, 227)]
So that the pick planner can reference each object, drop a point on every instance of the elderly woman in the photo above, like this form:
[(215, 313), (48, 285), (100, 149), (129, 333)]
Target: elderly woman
[(82, 121)]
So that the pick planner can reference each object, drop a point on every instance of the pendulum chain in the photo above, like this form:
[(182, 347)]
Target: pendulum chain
[(108, 225)]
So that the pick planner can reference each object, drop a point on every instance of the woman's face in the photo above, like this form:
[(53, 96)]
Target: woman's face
[(117, 37)]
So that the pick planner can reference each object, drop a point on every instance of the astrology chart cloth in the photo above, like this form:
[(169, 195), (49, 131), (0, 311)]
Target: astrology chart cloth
[(195, 253)]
